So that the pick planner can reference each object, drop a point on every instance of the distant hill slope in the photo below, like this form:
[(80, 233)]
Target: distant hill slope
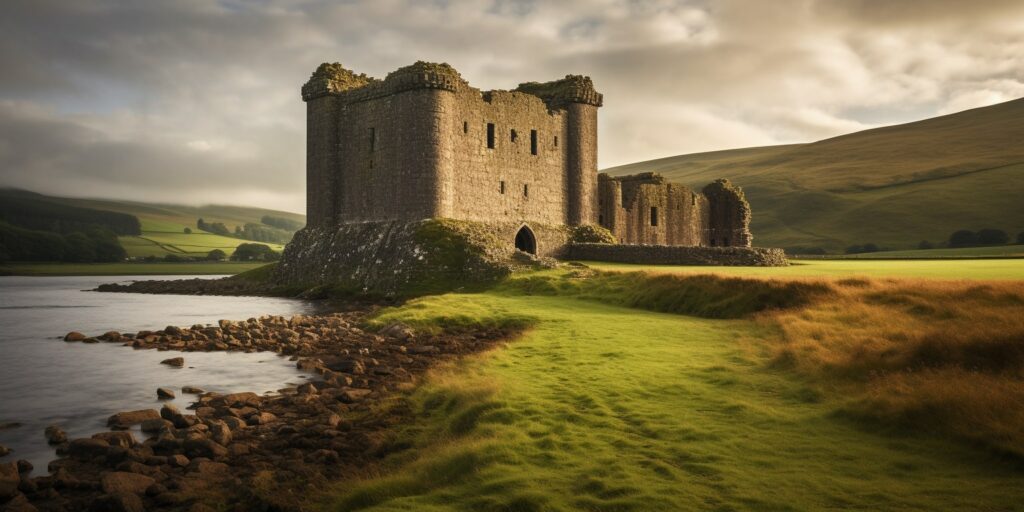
[(163, 225), (893, 186)]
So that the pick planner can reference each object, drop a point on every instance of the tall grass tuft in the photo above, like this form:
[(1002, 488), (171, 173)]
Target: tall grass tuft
[(931, 355)]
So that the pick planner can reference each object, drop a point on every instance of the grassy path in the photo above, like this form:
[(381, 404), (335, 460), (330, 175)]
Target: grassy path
[(607, 408)]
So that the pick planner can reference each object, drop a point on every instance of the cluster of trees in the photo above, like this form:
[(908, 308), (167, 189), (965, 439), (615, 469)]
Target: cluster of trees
[(254, 252), (91, 244), (281, 223), (213, 227), (40, 213), (981, 238), (275, 230)]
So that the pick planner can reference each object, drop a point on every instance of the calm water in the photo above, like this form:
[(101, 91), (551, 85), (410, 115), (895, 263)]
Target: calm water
[(45, 381)]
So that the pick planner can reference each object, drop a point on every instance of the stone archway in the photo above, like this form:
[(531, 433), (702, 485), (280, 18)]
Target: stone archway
[(526, 241)]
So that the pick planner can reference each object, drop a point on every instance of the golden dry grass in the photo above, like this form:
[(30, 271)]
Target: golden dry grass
[(930, 355)]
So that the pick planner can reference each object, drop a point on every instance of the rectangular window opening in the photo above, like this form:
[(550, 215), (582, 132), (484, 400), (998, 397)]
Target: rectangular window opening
[(654, 215), (501, 187), (490, 135), (465, 127), (556, 141), (373, 139), (513, 136), (526, 191), (533, 142)]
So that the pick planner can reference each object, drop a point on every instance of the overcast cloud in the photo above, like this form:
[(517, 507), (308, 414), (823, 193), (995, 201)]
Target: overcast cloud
[(198, 101)]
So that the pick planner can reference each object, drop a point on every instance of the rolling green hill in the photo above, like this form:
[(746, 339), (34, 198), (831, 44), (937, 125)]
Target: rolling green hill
[(163, 225), (892, 186)]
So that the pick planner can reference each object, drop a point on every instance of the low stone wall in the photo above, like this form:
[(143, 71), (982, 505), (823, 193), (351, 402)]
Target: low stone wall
[(678, 255)]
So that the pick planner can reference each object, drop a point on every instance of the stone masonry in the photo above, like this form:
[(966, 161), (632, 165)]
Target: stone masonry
[(423, 144)]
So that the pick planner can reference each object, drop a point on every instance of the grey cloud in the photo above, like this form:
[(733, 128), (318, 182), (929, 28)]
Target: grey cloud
[(198, 101)]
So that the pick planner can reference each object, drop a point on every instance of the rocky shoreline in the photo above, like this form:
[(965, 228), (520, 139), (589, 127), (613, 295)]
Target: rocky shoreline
[(244, 451)]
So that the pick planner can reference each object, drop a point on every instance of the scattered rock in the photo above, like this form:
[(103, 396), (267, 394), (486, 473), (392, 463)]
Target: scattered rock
[(4, 450), (202, 447), (353, 366), (169, 412), (9, 480), (19, 503), (122, 502), (120, 482), (192, 390), (164, 393), (156, 425), (176, 362), (110, 336), (24, 466), (122, 438), (87, 449), (55, 435), (74, 336), (129, 418)]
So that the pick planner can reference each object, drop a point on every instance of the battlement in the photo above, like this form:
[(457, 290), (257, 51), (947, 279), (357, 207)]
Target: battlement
[(335, 80)]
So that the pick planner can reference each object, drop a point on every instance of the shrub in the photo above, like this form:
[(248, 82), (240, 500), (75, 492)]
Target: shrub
[(991, 236), (925, 244), (281, 223), (188, 231), (173, 258), (963, 238), (590, 234), (216, 255), (254, 252)]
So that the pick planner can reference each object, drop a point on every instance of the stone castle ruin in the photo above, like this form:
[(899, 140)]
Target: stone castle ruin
[(511, 170)]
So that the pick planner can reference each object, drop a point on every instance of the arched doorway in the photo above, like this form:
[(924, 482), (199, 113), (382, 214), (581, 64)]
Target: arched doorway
[(525, 241)]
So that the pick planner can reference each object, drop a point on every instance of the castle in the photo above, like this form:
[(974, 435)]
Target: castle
[(419, 183), (423, 144)]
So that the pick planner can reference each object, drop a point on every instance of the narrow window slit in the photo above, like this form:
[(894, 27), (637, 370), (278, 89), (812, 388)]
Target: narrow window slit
[(533, 142), (490, 135)]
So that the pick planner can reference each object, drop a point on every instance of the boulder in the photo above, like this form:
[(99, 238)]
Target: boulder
[(121, 482), (261, 419), (353, 366), (110, 336), (351, 395), (173, 330), (169, 411), (177, 460), (129, 418), (164, 393), (55, 435), (123, 439), (74, 336), (192, 390), (24, 466), (155, 425), (202, 447), (87, 449), (9, 480), (4, 450), (19, 503), (220, 432), (176, 362), (240, 399)]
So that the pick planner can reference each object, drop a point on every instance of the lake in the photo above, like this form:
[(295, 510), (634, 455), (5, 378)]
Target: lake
[(46, 381)]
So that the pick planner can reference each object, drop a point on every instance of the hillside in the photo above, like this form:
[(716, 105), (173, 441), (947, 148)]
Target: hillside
[(892, 186), (163, 225)]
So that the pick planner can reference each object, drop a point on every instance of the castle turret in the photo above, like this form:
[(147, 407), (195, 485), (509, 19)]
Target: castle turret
[(577, 95), (324, 109)]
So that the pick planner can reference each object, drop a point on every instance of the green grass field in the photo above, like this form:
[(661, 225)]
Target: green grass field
[(126, 269), (161, 237), (600, 407), (892, 186), (998, 269)]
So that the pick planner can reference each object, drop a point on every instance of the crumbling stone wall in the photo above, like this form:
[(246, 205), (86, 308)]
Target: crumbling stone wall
[(646, 209), (679, 255)]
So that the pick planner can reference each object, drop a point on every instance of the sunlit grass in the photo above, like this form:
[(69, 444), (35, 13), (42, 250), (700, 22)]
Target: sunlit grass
[(603, 407)]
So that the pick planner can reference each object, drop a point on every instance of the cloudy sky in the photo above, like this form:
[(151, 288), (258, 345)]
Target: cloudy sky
[(197, 101)]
